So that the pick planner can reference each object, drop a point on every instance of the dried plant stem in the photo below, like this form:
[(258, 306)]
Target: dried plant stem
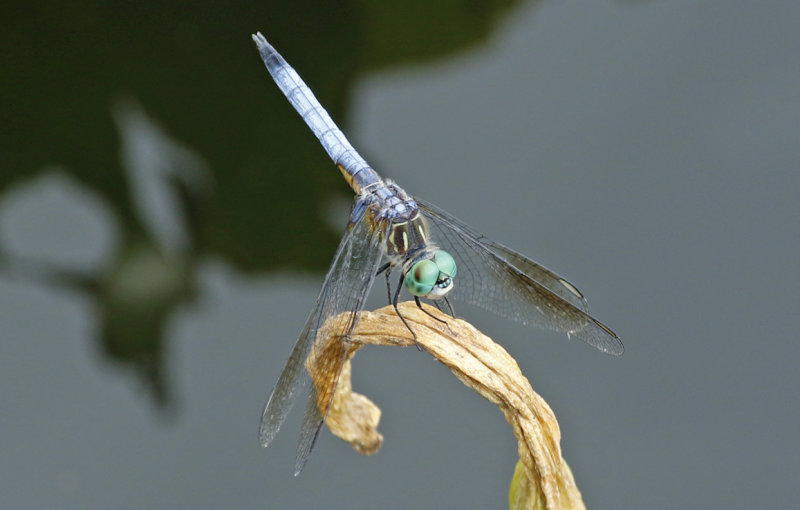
[(542, 479)]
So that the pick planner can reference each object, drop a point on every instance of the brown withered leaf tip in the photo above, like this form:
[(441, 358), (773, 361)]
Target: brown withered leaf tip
[(545, 480)]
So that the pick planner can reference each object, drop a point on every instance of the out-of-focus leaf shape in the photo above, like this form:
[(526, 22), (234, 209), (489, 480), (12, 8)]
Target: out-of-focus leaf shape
[(192, 67), (421, 30)]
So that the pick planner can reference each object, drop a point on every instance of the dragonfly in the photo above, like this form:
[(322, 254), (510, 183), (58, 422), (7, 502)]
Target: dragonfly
[(437, 256)]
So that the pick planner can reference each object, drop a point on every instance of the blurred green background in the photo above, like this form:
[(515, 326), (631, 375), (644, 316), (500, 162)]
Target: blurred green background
[(80, 78)]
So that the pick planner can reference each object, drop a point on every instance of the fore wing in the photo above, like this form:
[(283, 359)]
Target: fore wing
[(509, 284), (345, 288)]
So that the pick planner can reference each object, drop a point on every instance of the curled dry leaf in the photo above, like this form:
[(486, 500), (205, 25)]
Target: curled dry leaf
[(542, 480)]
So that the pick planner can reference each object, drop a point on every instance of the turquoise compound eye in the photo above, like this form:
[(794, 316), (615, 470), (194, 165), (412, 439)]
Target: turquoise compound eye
[(445, 263), (422, 277)]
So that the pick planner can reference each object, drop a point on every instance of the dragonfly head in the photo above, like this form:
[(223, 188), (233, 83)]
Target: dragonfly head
[(432, 277)]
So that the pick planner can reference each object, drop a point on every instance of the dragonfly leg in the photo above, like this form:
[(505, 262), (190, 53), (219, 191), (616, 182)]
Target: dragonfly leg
[(439, 307), (436, 303), (386, 269), (394, 304), (450, 307)]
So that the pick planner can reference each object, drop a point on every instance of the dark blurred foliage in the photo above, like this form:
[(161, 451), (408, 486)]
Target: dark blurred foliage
[(193, 67)]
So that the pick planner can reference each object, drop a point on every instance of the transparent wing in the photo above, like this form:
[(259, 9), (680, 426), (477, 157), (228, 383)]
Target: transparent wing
[(502, 281), (553, 282), (345, 288)]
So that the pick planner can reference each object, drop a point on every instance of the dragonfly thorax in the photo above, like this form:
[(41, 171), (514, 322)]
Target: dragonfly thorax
[(396, 216), (427, 271), (406, 236)]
